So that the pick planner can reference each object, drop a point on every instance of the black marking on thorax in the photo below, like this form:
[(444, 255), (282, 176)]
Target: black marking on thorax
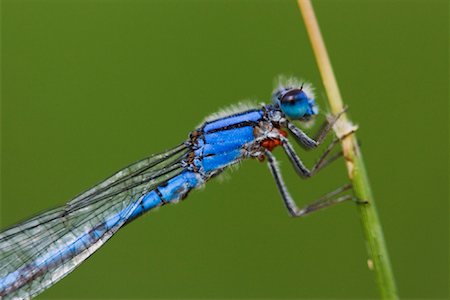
[(234, 126)]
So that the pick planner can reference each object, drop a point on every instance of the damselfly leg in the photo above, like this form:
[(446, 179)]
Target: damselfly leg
[(322, 162), (299, 166), (327, 200), (307, 142)]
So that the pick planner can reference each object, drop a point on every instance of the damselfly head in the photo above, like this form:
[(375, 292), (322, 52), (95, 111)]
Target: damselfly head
[(295, 98), (297, 104)]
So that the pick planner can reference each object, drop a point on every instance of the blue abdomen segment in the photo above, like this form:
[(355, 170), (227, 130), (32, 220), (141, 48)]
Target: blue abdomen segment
[(175, 189)]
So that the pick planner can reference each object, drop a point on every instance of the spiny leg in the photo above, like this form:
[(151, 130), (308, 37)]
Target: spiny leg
[(307, 142), (326, 201), (301, 169), (287, 199)]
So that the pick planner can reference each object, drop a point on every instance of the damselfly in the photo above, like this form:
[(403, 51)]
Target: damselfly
[(38, 252)]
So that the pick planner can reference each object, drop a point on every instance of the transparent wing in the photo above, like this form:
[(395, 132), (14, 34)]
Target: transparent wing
[(38, 252)]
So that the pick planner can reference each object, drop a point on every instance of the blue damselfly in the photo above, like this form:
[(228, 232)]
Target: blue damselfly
[(38, 252)]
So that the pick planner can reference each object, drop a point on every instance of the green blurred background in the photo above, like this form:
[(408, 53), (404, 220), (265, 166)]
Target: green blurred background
[(90, 86)]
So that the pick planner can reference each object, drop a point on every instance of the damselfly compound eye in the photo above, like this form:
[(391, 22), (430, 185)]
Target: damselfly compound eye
[(291, 97), (296, 104)]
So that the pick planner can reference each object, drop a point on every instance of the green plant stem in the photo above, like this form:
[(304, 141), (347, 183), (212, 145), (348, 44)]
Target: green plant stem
[(378, 260)]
